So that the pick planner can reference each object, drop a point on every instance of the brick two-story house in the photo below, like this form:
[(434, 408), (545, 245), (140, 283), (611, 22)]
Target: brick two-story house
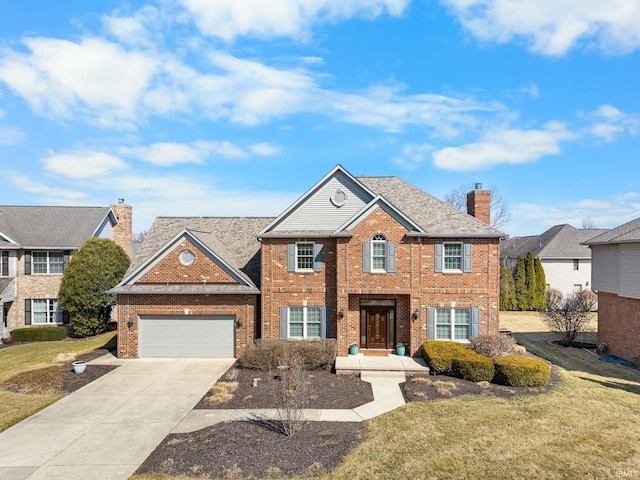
[(371, 260), (36, 243)]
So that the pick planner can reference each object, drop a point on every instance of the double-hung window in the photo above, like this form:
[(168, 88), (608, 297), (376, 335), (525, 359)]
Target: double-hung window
[(4, 263), (378, 253), (304, 256), (48, 262), (452, 324), (453, 257), (304, 322), (45, 311)]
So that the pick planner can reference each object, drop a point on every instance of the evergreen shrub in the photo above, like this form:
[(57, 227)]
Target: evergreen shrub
[(439, 355), (521, 371), (267, 354), (38, 334), (471, 366)]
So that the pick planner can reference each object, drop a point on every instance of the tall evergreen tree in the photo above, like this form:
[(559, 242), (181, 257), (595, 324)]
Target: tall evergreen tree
[(521, 285), (542, 285), (531, 284), (507, 289)]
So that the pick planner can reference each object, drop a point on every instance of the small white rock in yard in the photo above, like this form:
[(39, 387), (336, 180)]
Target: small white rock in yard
[(64, 358), (255, 382)]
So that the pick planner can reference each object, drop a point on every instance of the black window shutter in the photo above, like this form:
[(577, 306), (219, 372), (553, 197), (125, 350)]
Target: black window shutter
[(27, 263), (283, 322), (27, 312), (4, 264), (65, 260), (391, 257), (65, 317), (439, 257), (317, 257), (291, 257), (431, 323), (366, 257), (466, 257)]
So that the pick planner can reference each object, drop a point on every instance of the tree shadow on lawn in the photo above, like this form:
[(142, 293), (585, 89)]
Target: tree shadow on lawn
[(627, 387)]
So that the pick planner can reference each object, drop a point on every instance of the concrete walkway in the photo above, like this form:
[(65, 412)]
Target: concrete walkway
[(386, 393), (108, 428)]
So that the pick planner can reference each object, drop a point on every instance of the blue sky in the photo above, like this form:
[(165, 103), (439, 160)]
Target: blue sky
[(217, 108)]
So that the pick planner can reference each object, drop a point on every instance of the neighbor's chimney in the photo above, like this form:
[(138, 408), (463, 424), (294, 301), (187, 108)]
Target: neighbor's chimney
[(479, 204), (123, 230)]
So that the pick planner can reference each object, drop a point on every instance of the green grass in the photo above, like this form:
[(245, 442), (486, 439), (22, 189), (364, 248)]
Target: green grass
[(32, 356)]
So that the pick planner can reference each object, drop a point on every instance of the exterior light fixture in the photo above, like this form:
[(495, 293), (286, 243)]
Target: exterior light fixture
[(415, 315), (130, 321), (239, 321), (341, 313)]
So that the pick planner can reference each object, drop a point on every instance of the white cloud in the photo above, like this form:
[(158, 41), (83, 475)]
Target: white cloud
[(504, 146), (59, 77), (553, 27), (83, 164), (10, 135), (137, 29), (281, 18), (166, 154), (412, 156), (53, 194), (607, 123)]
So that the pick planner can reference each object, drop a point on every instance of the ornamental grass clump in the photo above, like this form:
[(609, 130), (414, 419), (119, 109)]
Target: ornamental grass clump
[(439, 355), (471, 366), (521, 371)]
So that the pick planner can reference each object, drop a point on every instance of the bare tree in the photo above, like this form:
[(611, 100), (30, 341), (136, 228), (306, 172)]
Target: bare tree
[(139, 237), (568, 317), (500, 214), (291, 393), (588, 223)]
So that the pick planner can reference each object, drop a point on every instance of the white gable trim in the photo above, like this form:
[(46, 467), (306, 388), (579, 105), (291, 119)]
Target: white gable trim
[(169, 247), (109, 217), (380, 201), (2, 235), (337, 169)]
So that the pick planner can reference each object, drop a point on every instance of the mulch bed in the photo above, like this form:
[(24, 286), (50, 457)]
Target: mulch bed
[(255, 449), (420, 388), (58, 378), (323, 390)]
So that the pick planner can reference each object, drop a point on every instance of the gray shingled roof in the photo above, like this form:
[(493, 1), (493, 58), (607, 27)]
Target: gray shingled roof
[(50, 227), (560, 241), (231, 238), (627, 233), (433, 215)]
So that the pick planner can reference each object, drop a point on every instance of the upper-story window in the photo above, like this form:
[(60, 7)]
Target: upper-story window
[(379, 255), (48, 262), (304, 256), (576, 264), (453, 257), (4, 264)]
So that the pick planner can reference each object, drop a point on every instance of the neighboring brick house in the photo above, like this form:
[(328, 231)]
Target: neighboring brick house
[(616, 279), (371, 260), (565, 259), (36, 243)]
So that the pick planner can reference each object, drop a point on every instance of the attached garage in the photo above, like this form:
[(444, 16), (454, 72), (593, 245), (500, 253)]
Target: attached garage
[(186, 336)]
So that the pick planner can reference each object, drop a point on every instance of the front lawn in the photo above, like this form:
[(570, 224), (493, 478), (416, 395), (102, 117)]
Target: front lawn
[(19, 359)]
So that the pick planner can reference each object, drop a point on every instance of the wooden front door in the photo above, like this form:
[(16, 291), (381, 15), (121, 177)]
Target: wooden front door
[(377, 327)]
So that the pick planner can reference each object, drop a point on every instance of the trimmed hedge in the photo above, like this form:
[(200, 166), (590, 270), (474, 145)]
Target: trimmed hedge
[(266, 353), (38, 334), (472, 366), (439, 355), (520, 371)]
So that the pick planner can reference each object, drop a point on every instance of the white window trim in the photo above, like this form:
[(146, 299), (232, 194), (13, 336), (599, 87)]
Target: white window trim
[(374, 241), (299, 269), (47, 263), (444, 258), (51, 313), (305, 334), (452, 317)]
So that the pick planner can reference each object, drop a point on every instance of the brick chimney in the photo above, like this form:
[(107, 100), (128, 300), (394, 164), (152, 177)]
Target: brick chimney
[(123, 230), (479, 204)]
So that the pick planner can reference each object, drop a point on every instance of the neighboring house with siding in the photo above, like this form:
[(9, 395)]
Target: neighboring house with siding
[(371, 260), (616, 279), (565, 259), (36, 243)]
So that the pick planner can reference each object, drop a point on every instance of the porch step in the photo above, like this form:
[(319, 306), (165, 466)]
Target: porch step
[(392, 363)]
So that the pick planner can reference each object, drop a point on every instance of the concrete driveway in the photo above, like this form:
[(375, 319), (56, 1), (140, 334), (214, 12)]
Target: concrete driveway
[(109, 427)]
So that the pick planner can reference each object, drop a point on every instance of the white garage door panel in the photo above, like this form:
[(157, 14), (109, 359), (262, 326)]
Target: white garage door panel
[(186, 336)]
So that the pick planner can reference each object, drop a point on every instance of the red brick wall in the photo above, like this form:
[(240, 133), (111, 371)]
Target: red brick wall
[(414, 285), (134, 305), (479, 205), (619, 325), (202, 270)]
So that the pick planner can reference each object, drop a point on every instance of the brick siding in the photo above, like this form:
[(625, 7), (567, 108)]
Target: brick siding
[(619, 325)]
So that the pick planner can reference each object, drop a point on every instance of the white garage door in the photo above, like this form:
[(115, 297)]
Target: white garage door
[(186, 336)]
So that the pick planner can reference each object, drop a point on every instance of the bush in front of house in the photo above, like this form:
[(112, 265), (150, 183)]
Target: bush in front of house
[(471, 366), (521, 371), (439, 355), (267, 354), (38, 334), (493, 345)]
